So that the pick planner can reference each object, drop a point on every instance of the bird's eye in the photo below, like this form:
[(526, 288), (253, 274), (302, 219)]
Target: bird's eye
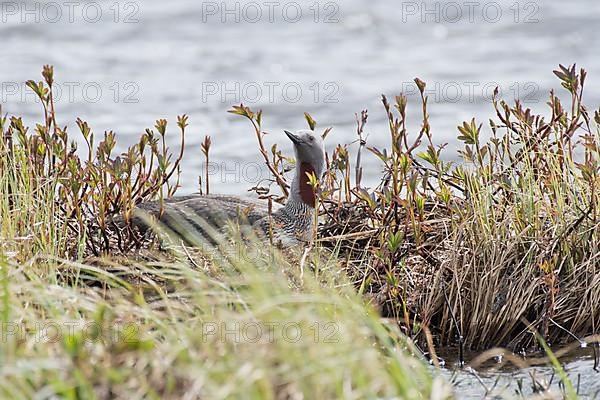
[(311, 138)]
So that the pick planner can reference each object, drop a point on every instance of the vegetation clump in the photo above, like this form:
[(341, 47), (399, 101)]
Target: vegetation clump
[(481, 252), (90, 308), (484, 252)]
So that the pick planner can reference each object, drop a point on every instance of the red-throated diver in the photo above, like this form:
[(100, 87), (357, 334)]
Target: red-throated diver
[(196, 218)]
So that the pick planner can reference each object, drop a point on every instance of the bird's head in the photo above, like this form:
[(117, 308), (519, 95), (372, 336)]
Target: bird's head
[(309, 149)]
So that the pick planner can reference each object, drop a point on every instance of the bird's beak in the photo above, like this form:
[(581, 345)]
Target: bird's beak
[(293, 137)]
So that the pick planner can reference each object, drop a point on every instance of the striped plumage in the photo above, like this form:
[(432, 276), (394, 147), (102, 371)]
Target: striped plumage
[(198, 218)]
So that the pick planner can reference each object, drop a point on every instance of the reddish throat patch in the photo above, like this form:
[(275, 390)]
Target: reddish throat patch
[(307, 194)]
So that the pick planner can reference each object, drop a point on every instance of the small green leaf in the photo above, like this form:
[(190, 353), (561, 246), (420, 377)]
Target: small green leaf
[(311, 122)]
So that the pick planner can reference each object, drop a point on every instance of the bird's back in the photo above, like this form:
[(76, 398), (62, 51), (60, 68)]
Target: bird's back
[(194, 217)]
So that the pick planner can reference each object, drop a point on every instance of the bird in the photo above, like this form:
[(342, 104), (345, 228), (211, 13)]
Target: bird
[(199, 218)]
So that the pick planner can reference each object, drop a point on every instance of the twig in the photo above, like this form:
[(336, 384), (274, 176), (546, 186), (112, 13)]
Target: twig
[(278, 178), (360, 125)]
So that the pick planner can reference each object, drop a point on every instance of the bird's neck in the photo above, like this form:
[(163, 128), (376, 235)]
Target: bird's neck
[(302, 193)]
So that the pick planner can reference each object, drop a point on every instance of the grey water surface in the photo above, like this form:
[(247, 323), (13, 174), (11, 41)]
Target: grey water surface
[(495, 381), (120, 65)]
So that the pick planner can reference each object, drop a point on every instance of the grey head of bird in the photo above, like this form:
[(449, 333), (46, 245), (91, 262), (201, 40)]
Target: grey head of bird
[(310, 158)]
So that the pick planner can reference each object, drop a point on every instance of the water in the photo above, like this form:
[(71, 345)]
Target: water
[(144, 60), (490, 383)]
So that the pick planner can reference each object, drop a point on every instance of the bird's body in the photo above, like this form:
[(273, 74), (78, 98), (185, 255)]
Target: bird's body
[(197, 218)]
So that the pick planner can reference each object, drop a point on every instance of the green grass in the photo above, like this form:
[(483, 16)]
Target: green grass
[(173, 329)]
